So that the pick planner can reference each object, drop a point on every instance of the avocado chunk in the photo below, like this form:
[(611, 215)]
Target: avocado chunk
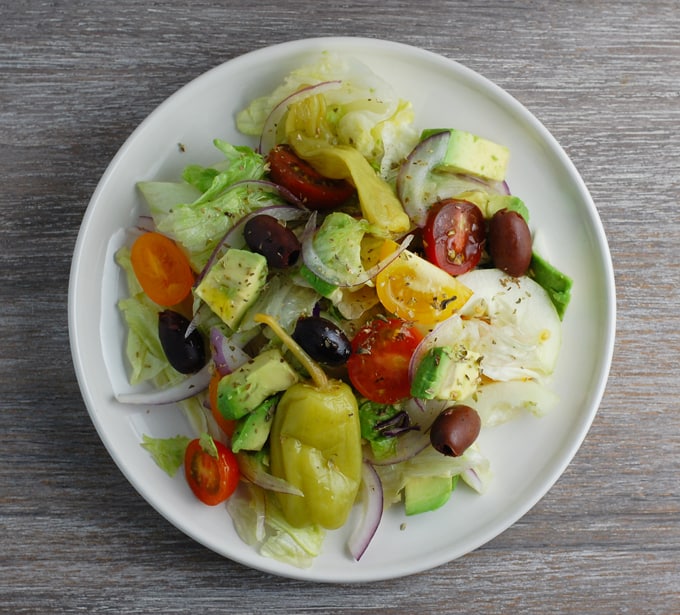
[(426, 493), (240, 392), (446, 372), (472, 155), (252, 430), (557, 284), (233, 283), (490, 203)]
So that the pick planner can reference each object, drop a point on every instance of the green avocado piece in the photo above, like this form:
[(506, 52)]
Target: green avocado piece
[(426, 493), (446, 373), (557, 284), (473, 155), (233, 283), (252, 430), (246, 388), (506, 201)]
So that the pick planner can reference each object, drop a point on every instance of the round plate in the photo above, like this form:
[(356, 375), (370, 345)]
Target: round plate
[(527, 455)]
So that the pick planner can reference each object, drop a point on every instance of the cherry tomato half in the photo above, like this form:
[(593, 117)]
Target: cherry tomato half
[(226, 425), (211, 479), (379, 364), (287, 169), (454, 235), (415, 289), (162, 269)]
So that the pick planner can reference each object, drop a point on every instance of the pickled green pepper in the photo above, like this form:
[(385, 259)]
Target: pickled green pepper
[(315, 444)]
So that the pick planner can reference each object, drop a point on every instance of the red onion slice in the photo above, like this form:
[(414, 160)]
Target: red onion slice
[(413, 179), (193, 385), (419, 186), (227, 355), (254, 471), (409, 445), (371, 512), (271, 124)]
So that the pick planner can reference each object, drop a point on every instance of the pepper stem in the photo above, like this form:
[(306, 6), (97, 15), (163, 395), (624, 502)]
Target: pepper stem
[(317, 374)]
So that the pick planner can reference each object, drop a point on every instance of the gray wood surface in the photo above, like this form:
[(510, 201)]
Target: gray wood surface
[(77, 77)]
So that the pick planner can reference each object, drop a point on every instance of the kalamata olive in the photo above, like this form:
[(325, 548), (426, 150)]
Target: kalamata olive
[(455, 429), (322, 340), (277, 243), (185, 353), (509, 242)]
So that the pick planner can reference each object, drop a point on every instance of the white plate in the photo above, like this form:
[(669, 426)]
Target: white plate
[(528, 455)]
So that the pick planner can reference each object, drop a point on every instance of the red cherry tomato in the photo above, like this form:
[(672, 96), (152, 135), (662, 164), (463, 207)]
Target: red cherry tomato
[(287, 169), (212, 479), (379, 364), (162, 269), (454, 235)]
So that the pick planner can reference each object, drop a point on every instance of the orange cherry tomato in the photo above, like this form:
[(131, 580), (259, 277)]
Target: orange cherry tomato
[(226, 425), (162, 269), (212, 479)]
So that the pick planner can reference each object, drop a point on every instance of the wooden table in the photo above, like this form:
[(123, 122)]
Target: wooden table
[(77, 77)]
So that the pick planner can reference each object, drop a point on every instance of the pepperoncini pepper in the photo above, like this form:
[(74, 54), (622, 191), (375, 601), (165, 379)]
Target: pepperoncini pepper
[(315, 444), (309, 134)]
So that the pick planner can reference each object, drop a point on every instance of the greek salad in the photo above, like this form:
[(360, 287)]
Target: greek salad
[(339, 307)]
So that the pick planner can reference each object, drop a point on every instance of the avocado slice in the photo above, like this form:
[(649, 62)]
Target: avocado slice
[(240, 392), (233, 283), (467, 153), (446, 372), (557, 284), (252, 430), (426, 493)]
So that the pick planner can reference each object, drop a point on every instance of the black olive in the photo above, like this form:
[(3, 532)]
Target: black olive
[(455, 429), (322, 340), (277, 243), (185, 353)]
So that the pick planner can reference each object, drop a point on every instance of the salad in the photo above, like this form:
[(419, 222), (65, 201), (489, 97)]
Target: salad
[(339, 307)]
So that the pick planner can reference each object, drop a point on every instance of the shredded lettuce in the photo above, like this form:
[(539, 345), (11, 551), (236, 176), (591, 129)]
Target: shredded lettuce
[(198, 225), (364, 112), (337, 245), (282, 300), (168, 453), (259, 522), (432, 463)]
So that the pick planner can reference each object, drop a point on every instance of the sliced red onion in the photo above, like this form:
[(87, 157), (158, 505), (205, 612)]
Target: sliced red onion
[(271, 124), (227, 355), (271, 186), (371, 512), (419, 186), (413, 179), (254, 471), (345, 279), (441, 335), (193, 385), (409, 444), (472, 479)]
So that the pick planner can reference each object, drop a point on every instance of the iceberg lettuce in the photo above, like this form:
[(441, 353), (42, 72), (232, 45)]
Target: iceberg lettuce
[(363, 112)]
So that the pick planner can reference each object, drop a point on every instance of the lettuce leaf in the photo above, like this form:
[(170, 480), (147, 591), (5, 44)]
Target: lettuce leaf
[(364, 112), (168, 453), (337, 249), (198, 225), (259, 522)]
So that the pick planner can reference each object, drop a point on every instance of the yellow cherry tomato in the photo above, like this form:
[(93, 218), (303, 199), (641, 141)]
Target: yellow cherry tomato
[(414, 289)]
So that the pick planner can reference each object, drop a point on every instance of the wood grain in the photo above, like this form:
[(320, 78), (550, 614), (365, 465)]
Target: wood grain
[(77, 77)]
